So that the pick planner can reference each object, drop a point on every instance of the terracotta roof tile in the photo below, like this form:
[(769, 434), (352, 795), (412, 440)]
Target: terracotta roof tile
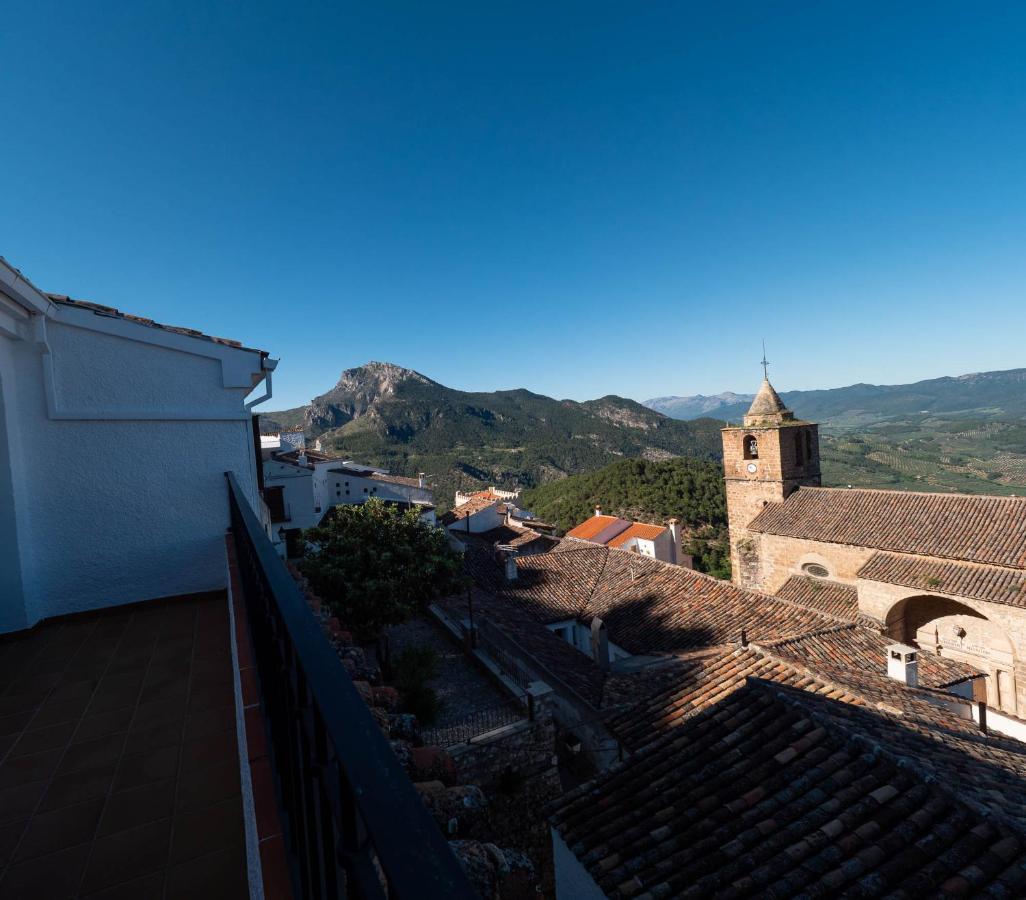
[(832, 597), (956, 526), (778, 783), (638, 530), (590, 528), (109, 311), (998, 585)]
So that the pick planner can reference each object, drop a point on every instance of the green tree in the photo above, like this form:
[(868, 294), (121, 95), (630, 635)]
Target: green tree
[(375, 565)]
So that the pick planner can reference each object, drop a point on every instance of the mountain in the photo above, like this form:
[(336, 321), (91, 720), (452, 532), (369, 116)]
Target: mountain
[(699, 405), (383, 414), (643, 490), (982, 395)]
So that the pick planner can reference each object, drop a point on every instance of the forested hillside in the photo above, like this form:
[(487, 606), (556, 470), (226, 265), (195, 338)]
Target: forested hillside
[(385, 415), (649, 491)]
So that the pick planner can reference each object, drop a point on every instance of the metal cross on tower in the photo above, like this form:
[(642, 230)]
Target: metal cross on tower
[(765, 362)]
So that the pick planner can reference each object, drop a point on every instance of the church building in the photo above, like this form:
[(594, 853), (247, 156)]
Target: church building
[(944, 572)]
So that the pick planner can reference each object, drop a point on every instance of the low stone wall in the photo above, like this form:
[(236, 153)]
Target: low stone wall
[(523, 750)]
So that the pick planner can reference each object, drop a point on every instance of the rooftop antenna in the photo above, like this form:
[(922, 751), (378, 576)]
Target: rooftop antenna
[(765, 362)]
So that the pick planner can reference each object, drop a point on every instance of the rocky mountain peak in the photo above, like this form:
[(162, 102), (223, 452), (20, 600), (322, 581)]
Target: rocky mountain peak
[(357, 391)]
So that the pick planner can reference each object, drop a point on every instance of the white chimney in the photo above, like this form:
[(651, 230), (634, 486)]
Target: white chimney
[(599, 643), (420, 479), (511, 563), (301, 458), (598, 510), (903, 664), (674, 526)]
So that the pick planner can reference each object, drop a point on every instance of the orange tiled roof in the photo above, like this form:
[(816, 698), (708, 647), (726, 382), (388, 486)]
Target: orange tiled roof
[(998, 585), (637, 530), (590, 527), (956, 526)]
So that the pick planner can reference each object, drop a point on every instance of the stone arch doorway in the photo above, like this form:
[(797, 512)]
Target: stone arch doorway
[(960, 632)]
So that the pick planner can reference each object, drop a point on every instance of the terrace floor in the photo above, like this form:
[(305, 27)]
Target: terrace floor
[(119, 768)]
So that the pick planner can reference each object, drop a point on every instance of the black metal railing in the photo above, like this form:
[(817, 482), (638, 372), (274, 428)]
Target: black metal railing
[(491, 643), (353, 823), (475, 724)]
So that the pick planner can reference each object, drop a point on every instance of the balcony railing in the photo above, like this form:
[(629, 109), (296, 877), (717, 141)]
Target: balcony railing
[(354, 825)]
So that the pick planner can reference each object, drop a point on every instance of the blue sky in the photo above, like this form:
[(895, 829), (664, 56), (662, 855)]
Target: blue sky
[(577, 198)]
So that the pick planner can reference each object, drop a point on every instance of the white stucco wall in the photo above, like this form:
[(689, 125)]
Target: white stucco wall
[(573, 882), (117, 479), (298, 493)]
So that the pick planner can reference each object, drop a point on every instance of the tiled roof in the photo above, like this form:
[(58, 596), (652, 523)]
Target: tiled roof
[(998, 585), (832, 597), (468, 509), (792, 787), (112, 313), (638, 530), (847, 663), (395, 479), (956, 526), (855, 649), (589, 529), (651, 606)]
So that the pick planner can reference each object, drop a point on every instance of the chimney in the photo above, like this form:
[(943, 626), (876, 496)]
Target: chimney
[(599, 643), (420, 479), (598, 510), (903, 664), (511, 564), (678, 551)]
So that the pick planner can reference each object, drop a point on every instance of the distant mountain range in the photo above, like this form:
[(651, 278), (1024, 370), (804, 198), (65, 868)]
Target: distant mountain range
[(983, 395), (383, 414)]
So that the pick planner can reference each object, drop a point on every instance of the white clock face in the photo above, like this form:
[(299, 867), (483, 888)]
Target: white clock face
[(752, 467)]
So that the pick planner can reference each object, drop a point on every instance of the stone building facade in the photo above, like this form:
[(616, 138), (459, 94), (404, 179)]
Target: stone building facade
[(945, 572)]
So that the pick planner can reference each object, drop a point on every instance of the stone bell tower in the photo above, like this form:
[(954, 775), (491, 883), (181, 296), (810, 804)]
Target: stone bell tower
[(764, 461)]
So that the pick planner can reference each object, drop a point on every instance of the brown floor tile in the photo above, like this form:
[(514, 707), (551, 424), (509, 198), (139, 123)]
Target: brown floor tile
[(127, 854), (51, 877), (53, 712), (59, 829), (104, 723), (19, 801), (159, 713), (207, 829), (51, 737), (23, 769), (9, 837), (6, 742), (74, 690), (142, 768), (137, 806), (209, 721), (77, 787), (212, 696), (209, 750), (153, 737), (217, 876), (201, 787), (10, 704), (149, 887), (15, 722), (97, 754), (274, 869), (169, 688)]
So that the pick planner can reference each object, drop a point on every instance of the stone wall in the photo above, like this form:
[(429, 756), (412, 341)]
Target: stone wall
[(778, 558), (522, 750), (777, 475)]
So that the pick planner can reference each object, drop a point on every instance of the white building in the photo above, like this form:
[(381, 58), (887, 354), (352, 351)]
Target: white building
[(662, 542), (115, 436), (301, 485)]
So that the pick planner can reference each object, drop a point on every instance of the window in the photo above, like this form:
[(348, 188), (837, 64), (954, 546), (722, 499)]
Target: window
[(365, 490), (799, 448), (808, 444), (816, 570), (751, 447)]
